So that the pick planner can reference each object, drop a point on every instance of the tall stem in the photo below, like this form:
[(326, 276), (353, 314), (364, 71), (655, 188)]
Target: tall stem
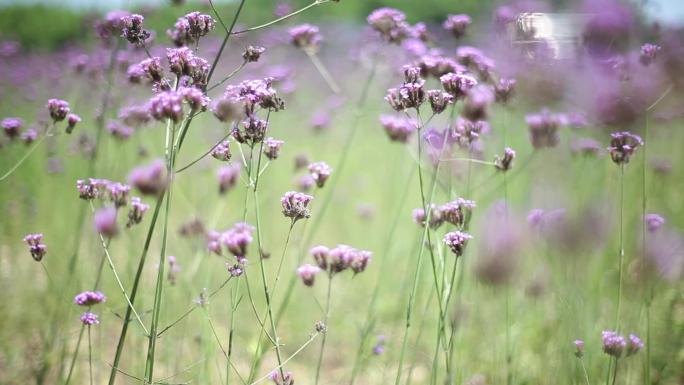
[(325, 334), (621, 251), (649, 297)]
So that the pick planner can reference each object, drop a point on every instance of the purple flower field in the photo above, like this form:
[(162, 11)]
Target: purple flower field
[(488, 198)]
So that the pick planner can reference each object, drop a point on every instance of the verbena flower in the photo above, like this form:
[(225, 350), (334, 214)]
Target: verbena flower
[(467, 132), (420, 217), (167, 105), (253, 93), (320, 172), (237, 239), (623, 145), (457, 241), (579, 348), (222, 151), (457, 85), (132, 29), (390, 23), (89, 319), (111, 25), (89, 298), (12, 127), (505, 162), (653, 222), (278, 380), (345, 257), (504, 90), (543, 129), (190, 28), (253, 53), (135, 116), (29, 136), (183, 62), (477, 102), (296, 205), (118, 193), (439, 100), (320, 255), (585, 147), (439, 65), (72, 120), (408, 95), (398, 129), (119, 130), (174, 269), (457, 24), (307, 273), (648, 53), (228, 177), (150, 69), (634, 344), (613, 343), (305, 36), (150, 179), (226, 109), (272, 148), (105, 221), (456, 212), (58, 109), (136, 212), (36, 247)]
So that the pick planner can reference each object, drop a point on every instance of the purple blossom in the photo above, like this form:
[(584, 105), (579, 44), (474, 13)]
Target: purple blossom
[(111, 25), (648, 53), (457, 240), (118, 193), (228, 177), (58, 109), (307, 273), (89, 318), (457, 212), (226, 109), (408, 95), (150, 179), (345, 257), (135, 116), (634, 344), (190, 28), (136, 212), (505, 162), (586, 147), (543, 129), (183, 62), (623, 145), (504, 89), (420, 217), (390, 23), (477, 102), (252, 93), (320, 120), (105, 222), (613, 343), (72, 120), (29, 136), (253, 53), (237, 239), (272, 148), (398, 129), (167, 105), (222, 151), (438, 65), (306, 182), (579, 348), (132, 29), (296, 205), (119, 130), (305, 36), (320, 172), (36, 247), (12, 126), (320, 255), (89, 298), (439, 100), (457, 85), (653, 222), (457, 24)]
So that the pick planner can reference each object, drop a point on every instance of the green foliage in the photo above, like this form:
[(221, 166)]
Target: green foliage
[(40, 26)]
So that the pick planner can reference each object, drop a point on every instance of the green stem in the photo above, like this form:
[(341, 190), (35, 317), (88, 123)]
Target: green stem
[(315, 3), (621, 252), (323, 70), (325, 322), (584, 370)]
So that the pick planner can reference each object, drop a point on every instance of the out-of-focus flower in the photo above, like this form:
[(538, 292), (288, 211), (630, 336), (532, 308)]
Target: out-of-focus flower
[(398, 129), (296, 205), (457, 85), (190, 28), (307, 273), (634, 344), (272, 148), (457, 24), (504, 90), (320, 172), (150, 179), (653, 222), (228, 177), (500, 246), (222, 151), (105, 221), (586, 147), (613, 343), (58, 109), (505, 162), (390, 23), (305, 36), (132, 29), (436, 219), (457, 240), (89, 319), (623, 145), (136, 212), (12, 127), (579, 348), (253, 53), (72, 120), (89, 298), (36, 247), (543, 129), (477, 102), (648, 53)]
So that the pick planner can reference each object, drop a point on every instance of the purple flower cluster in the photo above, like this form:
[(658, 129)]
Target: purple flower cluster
[(222, 151), (272, 148), (235, 240), (228, 177), (391, 24), (149, 69), (190, 28), (544, 129), (253, 53), (58, 109), (504, 90), (334, 261), (132, 29), (296, 205), (105, 221), (648, 53), (305, 36), (137, 211), (623, 145), (457, 240), (653, 222), (616, 345), (89, 319), (183, 62), (111, 25), (12, 127), (320, 172), (457, 84), (278, 380), (438, 65), (504, 162), (253, 93), (36, 247), (307, 273), (398, 129), (457, 24), (150, 179), (89, 298)]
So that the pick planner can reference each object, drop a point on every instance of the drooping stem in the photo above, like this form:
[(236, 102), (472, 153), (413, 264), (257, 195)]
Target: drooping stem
[(289, 15), (27, 154), (325, 322)]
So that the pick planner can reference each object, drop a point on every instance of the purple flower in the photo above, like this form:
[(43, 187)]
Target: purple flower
[(390, 23), (438, 65), (287, 380), (305, 36), (579, 348), (623, 145), (439, 100), (457, 24), (36, 248), (467, 132), (476, 60), (653, 222), (613, 343), (105, 221), (272, 148), (110, 25), (320, 172), (457, 85), (135, 116), (136, 212), (648, 53), (320, 120), (379, 347), (89, 318), (89, 298), (457, 212), (504, 89), (345, 257), (295, 205), (477, 102), (72, 120), (58, 109), (183, 62), (228, 177), (499, 248), (305, 182), (195, 98), (634, 344), (150, 179), (12, 126), (320, 255), (253, 53), (226, 109), (29, 136), (167, 105), (119, 130), (307, 273), (118, 193), (505, 162), (252, 93), (457, 240), (132, 29), (149, 68), (543, 129), (398, 129), (190, 28), (408, 95), (420, 217), (237, 239), (222, 151), (586, 147)]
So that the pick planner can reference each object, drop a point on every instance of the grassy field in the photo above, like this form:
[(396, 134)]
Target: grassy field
[(514, 302)]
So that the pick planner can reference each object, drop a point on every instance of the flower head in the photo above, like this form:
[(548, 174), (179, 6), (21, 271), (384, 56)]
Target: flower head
[(307, 273), (296, 205), (653, 222), (190, 28), (613, 343), (105, 221), (505, 162), (89, 298), (228, 177), (150, 179), (634, 344), (398, 129), (167, 105), (305, 36), (272, 148), (132, 29), (439, 100), (320, 172), (12, 126), (623, 145), (58, 109), (504, 89), (89, 319), (457, 85), (457, 24), (543, 129), (648, 53), (36, 247), (72, 120), (222, 151), (457, 240), (253, 53), (390, 23), (457, 212), (579, 348), (136, 212), (320, 255)]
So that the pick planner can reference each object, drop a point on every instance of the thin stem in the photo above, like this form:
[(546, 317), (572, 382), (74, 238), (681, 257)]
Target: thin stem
[(90, 357), (615, 371), (231, 328), (469, 160), (509, 355), (187, 166), (310, 340), (315, 3), (323, 70), (229, 76), (621, 251), (218, 16), (225, 40), (325, 322), (28, 153), (225, 354), (584, 370)]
